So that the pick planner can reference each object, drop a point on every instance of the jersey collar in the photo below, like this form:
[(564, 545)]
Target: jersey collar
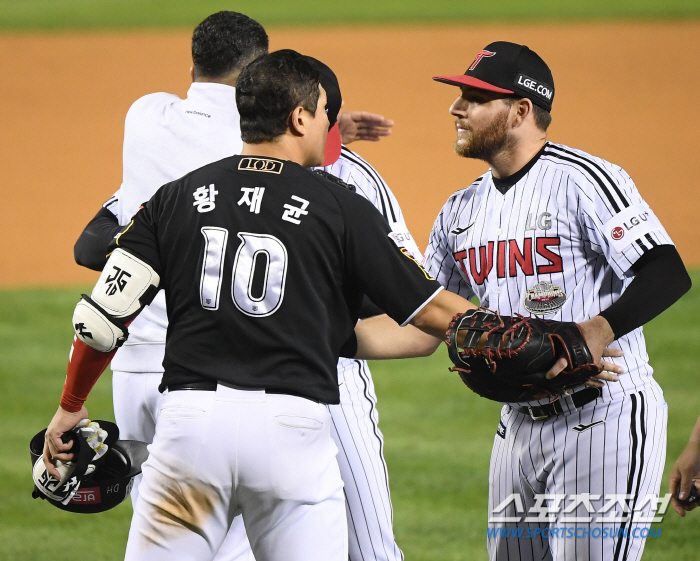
[(503, 184), (221, 96)]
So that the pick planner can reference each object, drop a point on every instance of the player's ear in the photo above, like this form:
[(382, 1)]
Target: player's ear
[(519, 111), (297, 121)]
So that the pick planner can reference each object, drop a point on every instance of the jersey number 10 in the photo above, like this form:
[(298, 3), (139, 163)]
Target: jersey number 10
[(253, 248)]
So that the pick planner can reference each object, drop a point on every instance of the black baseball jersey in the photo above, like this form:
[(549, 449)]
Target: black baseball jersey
[(264, 265)]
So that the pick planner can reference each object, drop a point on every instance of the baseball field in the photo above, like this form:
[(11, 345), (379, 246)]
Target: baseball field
[(626, 74)]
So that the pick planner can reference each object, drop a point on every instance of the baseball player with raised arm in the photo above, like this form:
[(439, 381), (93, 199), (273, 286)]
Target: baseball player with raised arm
[(555, 232), (166, 137), (262, 297)]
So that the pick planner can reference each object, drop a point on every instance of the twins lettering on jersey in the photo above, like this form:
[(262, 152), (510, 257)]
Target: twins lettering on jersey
[(477, 262)]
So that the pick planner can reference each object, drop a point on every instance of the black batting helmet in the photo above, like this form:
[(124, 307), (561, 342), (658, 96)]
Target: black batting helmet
[(99, 490)]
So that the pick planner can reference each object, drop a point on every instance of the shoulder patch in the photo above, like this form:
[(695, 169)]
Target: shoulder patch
[(634, 222)]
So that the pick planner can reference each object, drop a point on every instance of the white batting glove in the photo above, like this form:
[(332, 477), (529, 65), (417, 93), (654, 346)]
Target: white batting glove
[(64, 489), (95, 437)]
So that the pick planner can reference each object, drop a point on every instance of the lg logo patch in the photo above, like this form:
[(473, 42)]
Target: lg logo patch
[(617, 233)]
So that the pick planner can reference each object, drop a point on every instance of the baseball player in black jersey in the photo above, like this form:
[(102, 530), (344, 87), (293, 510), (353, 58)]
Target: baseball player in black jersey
[(166, 137), (555, 232), (264, 264)]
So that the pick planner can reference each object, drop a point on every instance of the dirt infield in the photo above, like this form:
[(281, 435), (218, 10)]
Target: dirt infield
[(625, 92)]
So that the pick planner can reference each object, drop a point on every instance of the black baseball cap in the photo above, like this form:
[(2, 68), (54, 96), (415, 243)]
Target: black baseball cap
[(511, 69), (329, 82)]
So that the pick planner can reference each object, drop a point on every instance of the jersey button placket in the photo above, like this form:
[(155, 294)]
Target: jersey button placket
[(493, 280)]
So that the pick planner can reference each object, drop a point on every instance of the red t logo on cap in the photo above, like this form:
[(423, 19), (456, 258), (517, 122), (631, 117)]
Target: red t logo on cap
[(481, 55)]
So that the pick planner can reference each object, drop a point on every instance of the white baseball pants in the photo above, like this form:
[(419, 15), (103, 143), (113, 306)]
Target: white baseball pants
[(218, 454), (355, 431)]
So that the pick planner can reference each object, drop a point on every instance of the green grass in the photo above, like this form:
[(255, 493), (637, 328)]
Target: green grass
[(438, 439), (81, 14), (35, 337)]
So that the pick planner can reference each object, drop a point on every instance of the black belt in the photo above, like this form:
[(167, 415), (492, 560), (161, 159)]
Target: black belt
[(197, 386), (579, 399), (210, 386)]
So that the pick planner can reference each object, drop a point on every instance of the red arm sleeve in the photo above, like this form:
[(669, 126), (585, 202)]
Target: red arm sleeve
[(85, 366)]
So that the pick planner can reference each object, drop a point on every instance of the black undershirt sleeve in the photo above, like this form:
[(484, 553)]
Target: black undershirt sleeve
[(92, 246), (660, 279)]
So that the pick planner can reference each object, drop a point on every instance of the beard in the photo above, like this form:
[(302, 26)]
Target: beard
[(486, 143)]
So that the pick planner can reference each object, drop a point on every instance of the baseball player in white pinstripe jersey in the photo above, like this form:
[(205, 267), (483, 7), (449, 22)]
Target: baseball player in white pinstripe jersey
[(166, 137), (555, 232), (354, 421)]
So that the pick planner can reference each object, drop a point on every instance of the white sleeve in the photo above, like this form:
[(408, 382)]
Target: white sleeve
[(439, 260), (112, 204), (400, 233), (152, 152), (616, 220)]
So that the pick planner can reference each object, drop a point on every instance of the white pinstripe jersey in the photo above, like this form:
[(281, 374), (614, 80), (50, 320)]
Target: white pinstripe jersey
[(354, 170), (570, 219)]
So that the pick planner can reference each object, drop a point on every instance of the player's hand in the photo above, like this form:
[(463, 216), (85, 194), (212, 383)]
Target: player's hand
[(685, 472), (608, 370), (598, 334), (361, 125), (54, 447)]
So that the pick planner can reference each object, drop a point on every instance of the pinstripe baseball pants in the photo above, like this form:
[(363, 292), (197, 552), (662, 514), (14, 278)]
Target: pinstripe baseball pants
[(607, 455)]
